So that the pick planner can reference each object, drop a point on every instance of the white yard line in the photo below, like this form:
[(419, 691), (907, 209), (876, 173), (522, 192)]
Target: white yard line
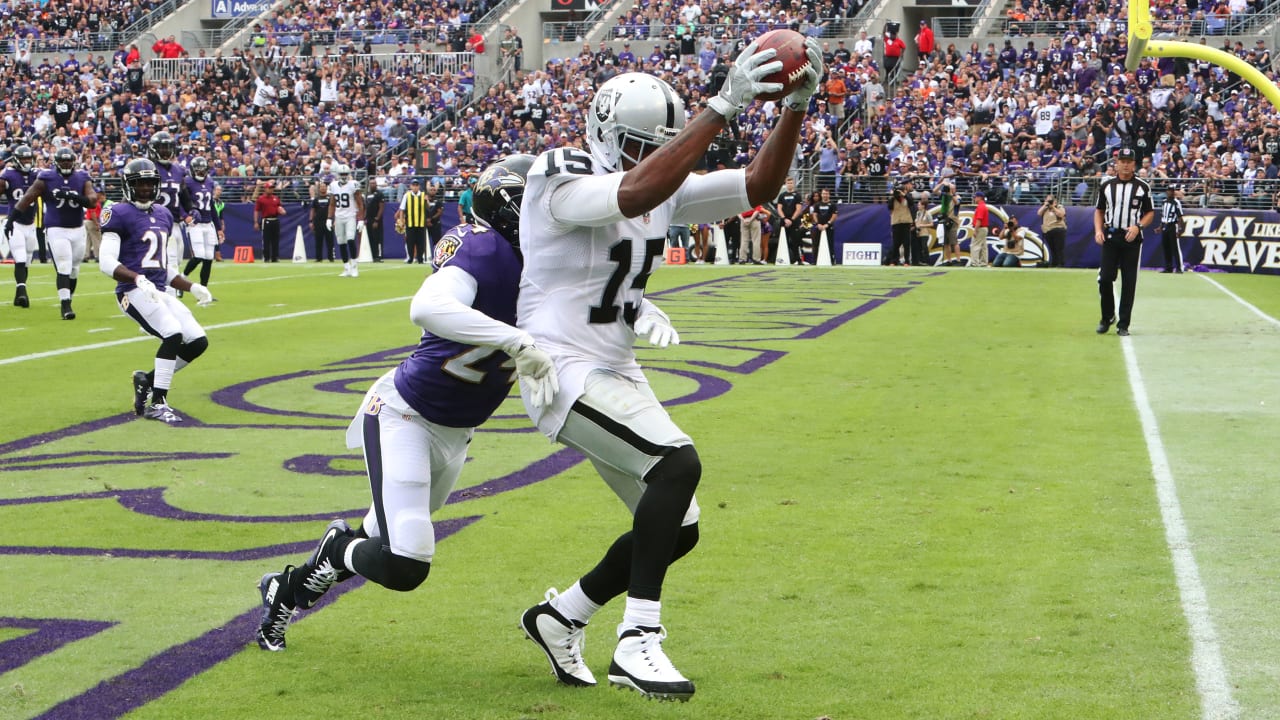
[(237, 323), (1248, 305), (1212, 681)]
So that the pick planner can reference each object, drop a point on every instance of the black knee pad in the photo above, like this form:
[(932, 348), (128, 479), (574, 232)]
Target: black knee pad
[(376, 562), (682, 468), (404, 573), (194, 349), (169, 347)]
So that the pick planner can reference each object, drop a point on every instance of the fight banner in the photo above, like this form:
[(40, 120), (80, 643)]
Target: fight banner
[(1223, 240)]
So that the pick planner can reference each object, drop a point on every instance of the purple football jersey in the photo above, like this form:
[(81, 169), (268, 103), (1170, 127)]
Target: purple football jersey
[(16, 184), (60, 212), (171, 177), (451, 383), (142, 235), (201, 194)]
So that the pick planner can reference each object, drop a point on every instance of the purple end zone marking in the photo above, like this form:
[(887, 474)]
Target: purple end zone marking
[(86, 427), (151, 502), (830, 324), (259, 553), (321, 465), (163, 672), (103, 457), (234, 396), (550, 466), (48, 635), (343, 385)]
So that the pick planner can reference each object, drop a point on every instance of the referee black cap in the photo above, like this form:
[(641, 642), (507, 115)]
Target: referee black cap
[(1126, 154)]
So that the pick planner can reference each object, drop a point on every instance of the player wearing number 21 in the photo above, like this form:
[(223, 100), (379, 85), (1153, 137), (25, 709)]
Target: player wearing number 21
[(592, 227), (133, 254)]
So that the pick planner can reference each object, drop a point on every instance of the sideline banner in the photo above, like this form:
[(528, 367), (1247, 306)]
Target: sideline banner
[(1227, 240), (238, 218)]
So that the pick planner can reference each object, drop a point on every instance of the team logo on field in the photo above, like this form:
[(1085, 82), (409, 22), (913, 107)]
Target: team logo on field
[(446, 249)]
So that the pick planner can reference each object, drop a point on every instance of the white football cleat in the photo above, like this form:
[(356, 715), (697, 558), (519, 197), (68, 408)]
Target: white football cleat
[(561, 639), (640, 664)]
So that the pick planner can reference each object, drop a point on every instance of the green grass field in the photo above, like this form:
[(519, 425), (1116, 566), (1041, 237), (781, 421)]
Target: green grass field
[(926, 494)]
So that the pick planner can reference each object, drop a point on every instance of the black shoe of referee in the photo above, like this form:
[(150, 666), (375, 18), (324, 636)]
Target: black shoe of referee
[(1104, 326)]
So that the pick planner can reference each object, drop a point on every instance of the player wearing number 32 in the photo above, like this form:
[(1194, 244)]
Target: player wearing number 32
[(592, 228), (66, 192), (416, 422), (133, 254)]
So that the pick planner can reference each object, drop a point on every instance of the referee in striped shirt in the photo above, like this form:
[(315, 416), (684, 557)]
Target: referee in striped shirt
[(1124, 208), (1171, 230)]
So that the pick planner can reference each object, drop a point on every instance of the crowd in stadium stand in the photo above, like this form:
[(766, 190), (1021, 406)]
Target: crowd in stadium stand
[(1016, 121), (430, 26), (691, 21), (56, 26), (1057, 17)]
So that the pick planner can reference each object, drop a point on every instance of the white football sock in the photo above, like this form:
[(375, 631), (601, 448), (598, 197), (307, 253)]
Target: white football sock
[(641, 613), (575, 605), (164, 373)]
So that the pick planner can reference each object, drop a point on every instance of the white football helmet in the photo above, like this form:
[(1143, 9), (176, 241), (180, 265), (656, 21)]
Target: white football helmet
[(632, 106), (342, 171)]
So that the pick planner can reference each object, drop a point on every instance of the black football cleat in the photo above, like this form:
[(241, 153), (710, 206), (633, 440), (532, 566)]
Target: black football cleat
[(141, 389), (1104, 326), (20, 298)]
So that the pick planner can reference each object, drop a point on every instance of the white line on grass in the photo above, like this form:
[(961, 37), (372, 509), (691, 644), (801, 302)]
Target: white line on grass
[(1216, 702), (1248, 305), (237, 323)]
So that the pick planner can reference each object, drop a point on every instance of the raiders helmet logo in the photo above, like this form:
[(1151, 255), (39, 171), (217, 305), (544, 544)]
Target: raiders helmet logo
[(446, 249), (604, 106)]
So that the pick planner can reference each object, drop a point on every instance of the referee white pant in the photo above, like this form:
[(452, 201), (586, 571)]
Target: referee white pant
[(67, 247)]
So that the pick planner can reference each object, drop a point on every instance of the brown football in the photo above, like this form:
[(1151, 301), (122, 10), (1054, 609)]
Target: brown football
[(790, 49)]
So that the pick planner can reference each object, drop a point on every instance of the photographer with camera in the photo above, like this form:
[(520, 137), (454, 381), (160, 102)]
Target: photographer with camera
[(1053, 228), (1010, 245), (900, 224), (948, 223)]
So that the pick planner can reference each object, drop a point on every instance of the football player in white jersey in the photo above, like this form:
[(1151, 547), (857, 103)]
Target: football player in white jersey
[(346, 217), (592, 229)]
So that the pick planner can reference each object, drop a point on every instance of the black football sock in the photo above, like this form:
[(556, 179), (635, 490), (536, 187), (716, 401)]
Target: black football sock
[(191, 265), (20, 273), (206, 267)]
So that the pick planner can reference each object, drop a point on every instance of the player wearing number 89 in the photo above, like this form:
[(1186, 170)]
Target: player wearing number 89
[(164, 151), (66, 192), (133, 254), (204, 226), (592, 227), (346, 217), (417, 420)]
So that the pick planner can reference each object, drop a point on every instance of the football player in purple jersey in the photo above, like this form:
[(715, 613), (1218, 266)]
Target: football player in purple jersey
[(417, 420), (204, 226), (172, 194), (133, 254), (66, 192), (19, 226)]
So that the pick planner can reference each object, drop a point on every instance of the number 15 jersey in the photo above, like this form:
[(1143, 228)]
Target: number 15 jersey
[(586, 265)]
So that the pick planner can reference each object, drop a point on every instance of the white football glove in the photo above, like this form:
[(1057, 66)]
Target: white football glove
[(147, 287), (359, 225), (204, 298), (798, 100), (657, 326), (535, 368), (744, 81), (328, 224)]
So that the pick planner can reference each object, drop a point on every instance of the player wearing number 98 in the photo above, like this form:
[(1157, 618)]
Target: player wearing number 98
[(593, 227), (417, 420), (133, 254), (66, 192)]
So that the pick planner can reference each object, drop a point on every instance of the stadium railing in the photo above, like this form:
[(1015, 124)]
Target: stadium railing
[(1033, 188), (162, 70)]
